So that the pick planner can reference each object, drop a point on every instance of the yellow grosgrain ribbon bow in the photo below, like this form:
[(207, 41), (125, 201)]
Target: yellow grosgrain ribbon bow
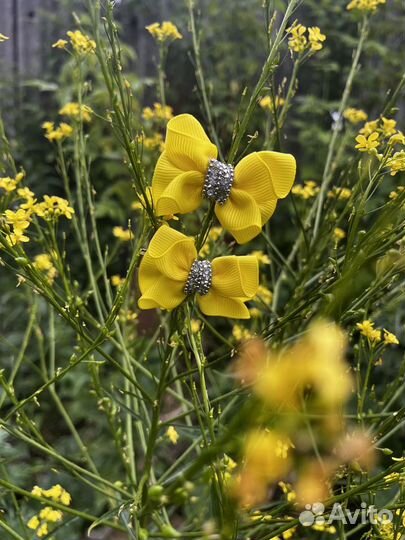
[(166, 267), (259, 180)]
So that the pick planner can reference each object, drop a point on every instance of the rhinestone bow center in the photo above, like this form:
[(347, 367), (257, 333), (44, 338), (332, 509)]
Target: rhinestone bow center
[(218, 181), (200, 278)]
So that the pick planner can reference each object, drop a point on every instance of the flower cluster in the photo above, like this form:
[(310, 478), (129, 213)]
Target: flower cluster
[(77, 111), (124, 235), (354, 116), (307, 191), (44, 263), (364, 5), (9, 184), (59, 133), (81, 43), (300, 41), (48, 516), (342, 193), (53, 207), (159, 112), (164, 32), (267, 102), (375, 335)]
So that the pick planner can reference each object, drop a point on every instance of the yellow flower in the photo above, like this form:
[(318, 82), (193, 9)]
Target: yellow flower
[(240, 333), (125, 235), (58, 134), (33, 523), (25, 193), (50, 515), (42, 530), (390, 338), (155, 142), (253, 187), (264, 294), (164, 32), (397, 138), (60, 44), (263, 258), (43, 262), (263, 465), (3, 38), (19, 219), (341, 193), (369, 128), (316, 38), (267, 103), (364, 5), (117, 281), (367, 144), (306, 191), (169, 272), (367, 329), (388, 127), (53, 207), (172, 435), (74, 110), (354, 116), (339, 234), (397, 163), (159, 112), (297, 41), (195, 326), (81, 43)]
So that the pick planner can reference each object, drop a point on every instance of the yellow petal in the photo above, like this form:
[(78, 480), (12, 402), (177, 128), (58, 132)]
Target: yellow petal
[(187, 150), (282, 168), (236, 277), (182, 195), (164, 269), (240, 215), (215, 305)]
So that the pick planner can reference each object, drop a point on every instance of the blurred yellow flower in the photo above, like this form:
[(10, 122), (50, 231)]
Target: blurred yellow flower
[(263, 258), (367, 330), (60, 44), (339, 234), (81, 43), (57, 134), (240, 333), (172, 434), (354, 116), (306, 191), (125, 235), (390, 338), (266, 102), (388, 127), (164, 32), (3, 38), (342, 193), (117, 281), (159, 112), (396, 163), (77, 111), (364, 5)]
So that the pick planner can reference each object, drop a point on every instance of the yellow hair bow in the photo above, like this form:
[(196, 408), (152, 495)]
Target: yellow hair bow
[(246, 196), (170, 271)]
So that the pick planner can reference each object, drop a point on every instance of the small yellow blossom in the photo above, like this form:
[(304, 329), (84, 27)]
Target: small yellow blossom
[(396, 163), (306, 191), (341, 193), (18, 219), (369, 128), (390, 338), (367, 144), (339, 234), (125, 235), (74, 110), (33, 523), (164, 32), (159, 112), (53, 207), (81, 43), (316, 38), (354, 116), (3, 38), (42, 530), (154, 143), (59, 133), (117, 281), (25, 193), (297, 41), (195, 326), (364, 5), (255, 313), (388, 127), (266, 102), (367, 329), (264, 294), (397, 138), (263, 258), (240, 333), (172, 434), (43, 262), (50, 515), (60, 44)]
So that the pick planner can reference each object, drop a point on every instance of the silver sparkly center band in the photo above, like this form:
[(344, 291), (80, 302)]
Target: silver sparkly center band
[(200, 278), (218, 181)]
